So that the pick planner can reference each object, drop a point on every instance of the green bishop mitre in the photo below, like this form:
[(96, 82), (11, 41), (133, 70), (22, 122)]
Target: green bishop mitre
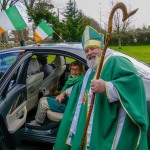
[(91, 37)]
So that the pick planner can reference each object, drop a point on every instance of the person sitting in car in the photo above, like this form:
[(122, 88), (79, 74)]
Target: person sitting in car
[(58, 103)]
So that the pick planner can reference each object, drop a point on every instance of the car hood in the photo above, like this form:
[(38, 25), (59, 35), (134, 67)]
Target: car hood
[(142, 68)]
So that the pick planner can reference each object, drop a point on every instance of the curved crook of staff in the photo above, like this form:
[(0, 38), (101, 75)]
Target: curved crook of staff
[(126, 15)]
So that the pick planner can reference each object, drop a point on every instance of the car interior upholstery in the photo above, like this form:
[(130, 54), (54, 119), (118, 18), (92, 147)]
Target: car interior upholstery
[(33, 82), (50, 83)]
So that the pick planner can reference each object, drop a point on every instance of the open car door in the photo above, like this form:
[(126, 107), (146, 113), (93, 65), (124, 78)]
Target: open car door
[(13, 95)]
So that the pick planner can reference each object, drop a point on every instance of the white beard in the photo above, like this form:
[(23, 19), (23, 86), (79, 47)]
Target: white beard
[(93, 63)]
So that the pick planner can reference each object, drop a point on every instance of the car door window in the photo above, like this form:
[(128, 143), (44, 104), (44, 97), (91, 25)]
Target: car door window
[(14, 93), (6, 60), (17, 76), (14, 78)]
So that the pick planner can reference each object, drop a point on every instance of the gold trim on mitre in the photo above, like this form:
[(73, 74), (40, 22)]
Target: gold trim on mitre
[(90, 43), (86, 34)]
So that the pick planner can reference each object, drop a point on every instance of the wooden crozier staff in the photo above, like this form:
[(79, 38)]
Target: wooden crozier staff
[(126, 15)]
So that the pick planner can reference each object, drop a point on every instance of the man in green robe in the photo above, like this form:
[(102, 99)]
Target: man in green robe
[(119, 119)]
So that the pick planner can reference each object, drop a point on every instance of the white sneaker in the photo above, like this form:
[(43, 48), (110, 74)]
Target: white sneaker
[(34, 123)]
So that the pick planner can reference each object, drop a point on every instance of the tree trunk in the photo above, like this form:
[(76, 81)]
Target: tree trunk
[(119, 42), (5, 37), (119, 37)]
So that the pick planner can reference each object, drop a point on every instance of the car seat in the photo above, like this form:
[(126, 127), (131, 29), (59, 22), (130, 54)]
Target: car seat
[(50, 83), (33, 81)]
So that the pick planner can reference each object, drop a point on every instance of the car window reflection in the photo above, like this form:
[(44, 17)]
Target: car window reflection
[(6, 60)]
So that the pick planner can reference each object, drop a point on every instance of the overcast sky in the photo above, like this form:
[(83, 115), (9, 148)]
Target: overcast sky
[(93, 9)]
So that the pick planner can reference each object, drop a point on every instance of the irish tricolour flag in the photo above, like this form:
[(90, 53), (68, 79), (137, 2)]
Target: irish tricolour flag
[(42, 31), (10, 19)]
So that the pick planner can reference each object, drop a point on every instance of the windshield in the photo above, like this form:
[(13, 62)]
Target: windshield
[(6, 60)]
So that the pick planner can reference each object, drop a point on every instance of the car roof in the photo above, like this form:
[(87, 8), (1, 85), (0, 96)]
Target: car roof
[(46, 46), (76, 49)]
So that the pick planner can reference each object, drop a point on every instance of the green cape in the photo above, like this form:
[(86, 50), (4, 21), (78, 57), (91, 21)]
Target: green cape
[(71, 81), (130, 88)]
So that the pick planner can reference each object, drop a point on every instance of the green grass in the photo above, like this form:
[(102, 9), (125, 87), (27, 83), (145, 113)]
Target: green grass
[(51, 58), (141, 53)]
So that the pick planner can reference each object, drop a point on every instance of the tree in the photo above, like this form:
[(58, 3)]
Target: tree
[(43, 10), (95, 25), (74, 22), (18, 35), (120, 27), (38, 10), (4, 4)]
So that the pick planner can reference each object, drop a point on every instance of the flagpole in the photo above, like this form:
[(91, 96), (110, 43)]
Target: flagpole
[(60, 37)]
